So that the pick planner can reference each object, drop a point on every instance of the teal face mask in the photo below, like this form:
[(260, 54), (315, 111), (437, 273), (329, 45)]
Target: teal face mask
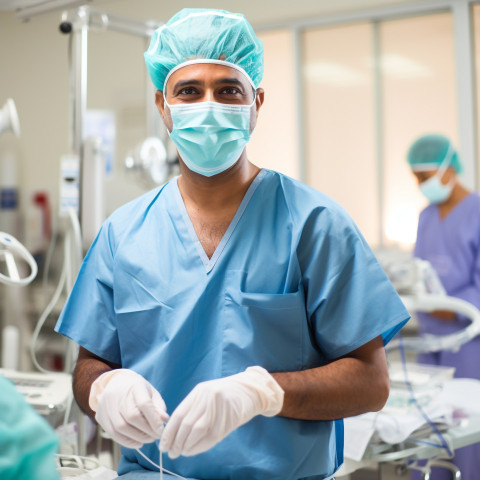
[(433, 189), (210, 136)]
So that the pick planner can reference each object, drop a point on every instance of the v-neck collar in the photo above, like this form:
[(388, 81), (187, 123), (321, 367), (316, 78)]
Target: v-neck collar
[(209, 263), (452, 211)]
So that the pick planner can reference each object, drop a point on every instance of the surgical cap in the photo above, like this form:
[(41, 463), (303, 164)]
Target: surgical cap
[(27, 442), (428, 153), (196, 35)]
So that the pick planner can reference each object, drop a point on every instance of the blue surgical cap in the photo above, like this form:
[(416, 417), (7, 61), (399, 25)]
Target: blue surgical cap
[(429, 152), (197, 35)]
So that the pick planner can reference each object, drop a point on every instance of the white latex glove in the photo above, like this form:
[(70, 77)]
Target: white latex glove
[(128, 407), (215, 408)]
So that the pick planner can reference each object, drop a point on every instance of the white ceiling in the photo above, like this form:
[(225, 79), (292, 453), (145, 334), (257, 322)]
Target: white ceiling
[(259, 12)]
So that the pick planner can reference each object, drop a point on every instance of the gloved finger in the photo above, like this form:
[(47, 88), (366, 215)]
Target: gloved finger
[(203, 445), (126, 441), (118, 437), (201, 437), (160, 406), (140, 412), (182, 435), (116, 426), (153, 409), (179, 426), (127, 429)]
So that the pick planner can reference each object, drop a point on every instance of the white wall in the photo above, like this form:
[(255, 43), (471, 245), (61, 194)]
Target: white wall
[(34, 72)]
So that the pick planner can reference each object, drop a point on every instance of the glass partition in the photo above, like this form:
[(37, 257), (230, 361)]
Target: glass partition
[(419, 97), (274, 142), (339, 103)]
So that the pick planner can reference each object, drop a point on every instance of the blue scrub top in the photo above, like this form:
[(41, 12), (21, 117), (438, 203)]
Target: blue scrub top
[(292, 285)]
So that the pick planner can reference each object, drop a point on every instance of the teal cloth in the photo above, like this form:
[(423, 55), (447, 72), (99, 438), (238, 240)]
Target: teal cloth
[(27, 442)]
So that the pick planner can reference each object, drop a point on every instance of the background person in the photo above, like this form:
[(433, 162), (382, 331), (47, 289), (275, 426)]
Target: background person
[(449, 238)]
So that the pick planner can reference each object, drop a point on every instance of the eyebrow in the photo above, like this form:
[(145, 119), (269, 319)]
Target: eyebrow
[(233, 81), (186, 83), (222, 81)]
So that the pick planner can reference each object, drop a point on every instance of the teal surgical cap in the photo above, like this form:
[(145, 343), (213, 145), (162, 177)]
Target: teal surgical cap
[(27, 442), (428, 153), (197, 35)]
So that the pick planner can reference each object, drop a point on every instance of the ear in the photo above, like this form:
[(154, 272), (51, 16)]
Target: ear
[(159, 102), (259, 99), (449, 174)]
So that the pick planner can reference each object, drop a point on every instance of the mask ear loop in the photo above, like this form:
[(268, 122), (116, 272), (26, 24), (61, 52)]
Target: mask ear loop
[(446, 161), (445, 164)]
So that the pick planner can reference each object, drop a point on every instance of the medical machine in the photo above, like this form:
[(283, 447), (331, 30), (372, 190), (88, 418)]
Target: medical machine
[(11, 252), (9, 118), (48, 394), (151, 162), (421, 290), (429, 414)]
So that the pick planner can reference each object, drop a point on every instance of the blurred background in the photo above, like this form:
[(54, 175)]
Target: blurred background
[(349, 85)]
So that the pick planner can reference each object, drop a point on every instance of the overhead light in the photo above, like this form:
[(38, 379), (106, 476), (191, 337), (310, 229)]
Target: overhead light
[(403, 67), (32, 8), (334, 74)]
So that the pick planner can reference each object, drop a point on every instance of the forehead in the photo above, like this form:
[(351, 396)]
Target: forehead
[(206, 73), (421, 174)]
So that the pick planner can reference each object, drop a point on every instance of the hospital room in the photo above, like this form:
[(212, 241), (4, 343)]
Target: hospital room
[(240, 240)]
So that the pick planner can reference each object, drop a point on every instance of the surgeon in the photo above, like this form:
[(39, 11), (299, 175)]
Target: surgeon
[(233, 316), (449, 238), (27, 443)]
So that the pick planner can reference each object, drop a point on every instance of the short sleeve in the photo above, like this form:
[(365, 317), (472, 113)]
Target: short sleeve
[(350, 300), (88, 317)]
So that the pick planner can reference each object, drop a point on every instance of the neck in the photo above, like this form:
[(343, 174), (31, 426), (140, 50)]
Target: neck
[(459, 192), (220, 191)]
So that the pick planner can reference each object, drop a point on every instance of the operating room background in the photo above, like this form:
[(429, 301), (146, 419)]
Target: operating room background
[(349, 85)]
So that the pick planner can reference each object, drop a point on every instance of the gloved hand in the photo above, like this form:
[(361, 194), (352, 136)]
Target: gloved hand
[(128, 407), (215, 408)]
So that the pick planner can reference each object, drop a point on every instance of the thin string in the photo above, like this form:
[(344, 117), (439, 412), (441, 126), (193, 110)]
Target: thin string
[(160, 467), (444, 443), (160, 459)]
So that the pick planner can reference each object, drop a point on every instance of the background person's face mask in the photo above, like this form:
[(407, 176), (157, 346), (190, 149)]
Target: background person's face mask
[(433, 188), (210, 136)]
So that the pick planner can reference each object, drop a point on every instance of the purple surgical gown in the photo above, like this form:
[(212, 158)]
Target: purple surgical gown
[(452, 246)]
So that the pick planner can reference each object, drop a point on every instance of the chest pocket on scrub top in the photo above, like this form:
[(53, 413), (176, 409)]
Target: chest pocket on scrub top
[(143, 317), (263, 329)]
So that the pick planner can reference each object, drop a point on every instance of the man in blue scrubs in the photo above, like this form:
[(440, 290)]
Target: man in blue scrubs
[(235, 313)]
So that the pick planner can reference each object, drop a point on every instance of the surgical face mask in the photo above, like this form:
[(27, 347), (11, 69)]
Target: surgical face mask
[(433, 189), (210, 136)]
